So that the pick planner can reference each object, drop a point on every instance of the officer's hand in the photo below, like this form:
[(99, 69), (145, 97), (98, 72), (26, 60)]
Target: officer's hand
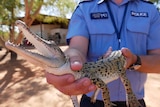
[(130, 57), (67, 83)]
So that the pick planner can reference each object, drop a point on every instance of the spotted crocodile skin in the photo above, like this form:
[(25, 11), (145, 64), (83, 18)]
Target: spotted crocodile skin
[(54, 61)]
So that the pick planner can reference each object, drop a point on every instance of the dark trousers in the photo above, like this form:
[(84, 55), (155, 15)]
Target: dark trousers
[(86, 102)]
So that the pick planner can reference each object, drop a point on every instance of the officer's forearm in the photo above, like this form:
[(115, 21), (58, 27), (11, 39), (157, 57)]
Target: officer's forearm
[(150, 64)]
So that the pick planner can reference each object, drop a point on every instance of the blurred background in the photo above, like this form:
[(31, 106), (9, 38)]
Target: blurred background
[(23, 84)]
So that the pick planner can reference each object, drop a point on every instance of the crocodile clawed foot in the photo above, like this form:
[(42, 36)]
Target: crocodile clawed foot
[(110, 104), (93, 100), (113, 105), (133, 102)]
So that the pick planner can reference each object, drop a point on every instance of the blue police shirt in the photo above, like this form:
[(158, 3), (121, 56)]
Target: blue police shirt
[(140, 32)]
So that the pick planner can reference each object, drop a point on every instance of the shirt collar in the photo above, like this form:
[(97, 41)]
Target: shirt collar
[(101, 1)]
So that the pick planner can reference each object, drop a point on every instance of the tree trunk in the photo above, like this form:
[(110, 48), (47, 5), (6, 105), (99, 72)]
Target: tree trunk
[(13, 56), (2, 42), (19, 38), (12, 39)]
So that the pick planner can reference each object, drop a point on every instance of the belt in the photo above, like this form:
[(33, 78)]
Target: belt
[(118, 103)]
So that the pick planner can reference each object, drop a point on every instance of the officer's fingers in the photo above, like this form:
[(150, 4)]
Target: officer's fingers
[(126, 52), (108, 52), (59, 81), (130, 57), (81, 86)]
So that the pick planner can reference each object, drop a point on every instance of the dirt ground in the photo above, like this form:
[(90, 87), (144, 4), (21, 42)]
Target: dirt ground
[(23, 84)]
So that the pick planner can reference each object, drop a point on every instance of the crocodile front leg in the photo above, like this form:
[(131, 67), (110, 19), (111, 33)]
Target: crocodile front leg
[(94, 96), (131, 99), (75, 101)]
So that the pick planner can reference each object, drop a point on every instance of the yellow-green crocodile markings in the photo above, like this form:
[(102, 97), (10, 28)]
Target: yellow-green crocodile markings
[(54, 61)]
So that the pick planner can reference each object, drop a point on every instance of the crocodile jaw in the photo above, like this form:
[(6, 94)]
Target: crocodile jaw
[(51, 55), (49, 64), (47, 48), (35, 58)]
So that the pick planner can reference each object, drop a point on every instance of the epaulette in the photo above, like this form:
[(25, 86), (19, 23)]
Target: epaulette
[(147, 1), (81, 1)]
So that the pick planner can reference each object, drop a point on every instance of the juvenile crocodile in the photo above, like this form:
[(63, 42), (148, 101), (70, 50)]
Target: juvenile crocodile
[(54, 61)]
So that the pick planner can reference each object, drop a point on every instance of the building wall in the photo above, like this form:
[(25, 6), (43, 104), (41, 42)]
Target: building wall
[(43, 30), (49, 31), (62, 34)]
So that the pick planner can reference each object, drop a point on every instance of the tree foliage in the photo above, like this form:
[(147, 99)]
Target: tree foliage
[(64, 6), (63, 22), (31, 8), (10, 9), (156, 2)]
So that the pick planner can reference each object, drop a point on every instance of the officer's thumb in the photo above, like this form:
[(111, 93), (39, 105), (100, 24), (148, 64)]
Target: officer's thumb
[(76, 63)]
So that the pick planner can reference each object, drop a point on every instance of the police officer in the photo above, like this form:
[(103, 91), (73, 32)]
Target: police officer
[(98, 24)]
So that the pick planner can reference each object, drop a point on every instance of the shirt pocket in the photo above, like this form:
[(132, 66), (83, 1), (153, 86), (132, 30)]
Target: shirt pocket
[(102, 36), (137, 34), (100, 27), (139, 25)]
